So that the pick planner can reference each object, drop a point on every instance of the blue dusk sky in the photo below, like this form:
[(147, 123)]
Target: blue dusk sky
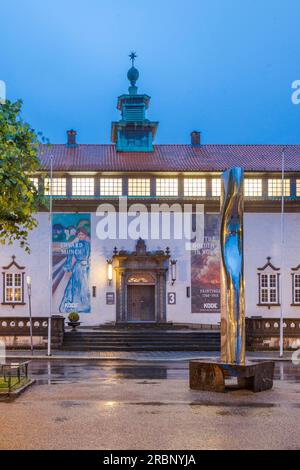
[(224, 67)]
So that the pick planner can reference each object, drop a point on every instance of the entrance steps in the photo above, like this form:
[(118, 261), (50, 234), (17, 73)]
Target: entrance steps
[(142, 340)]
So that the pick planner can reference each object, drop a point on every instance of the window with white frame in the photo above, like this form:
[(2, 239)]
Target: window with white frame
[(275, 187), (167, 187), (268, 289), (13, 283), (296, 289), (216, 187), (59, 186), (111, 187), (83, 186), (253, 187), (13, 288), (297, 187), (194, 186), (139, 187), (35, 183)]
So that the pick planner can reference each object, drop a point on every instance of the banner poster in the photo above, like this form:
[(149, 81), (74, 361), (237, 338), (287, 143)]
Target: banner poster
[(205, 269), (71, 249)]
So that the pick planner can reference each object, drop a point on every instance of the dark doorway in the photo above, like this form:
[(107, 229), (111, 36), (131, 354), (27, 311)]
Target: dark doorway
[(140, 303)]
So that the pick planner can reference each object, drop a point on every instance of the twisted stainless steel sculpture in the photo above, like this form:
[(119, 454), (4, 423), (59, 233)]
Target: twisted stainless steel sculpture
[(232, 267), (212, 375)]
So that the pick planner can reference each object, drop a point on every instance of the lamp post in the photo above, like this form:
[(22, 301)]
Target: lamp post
[(28, 282), (173, 270), (50, 257), (281, 339)]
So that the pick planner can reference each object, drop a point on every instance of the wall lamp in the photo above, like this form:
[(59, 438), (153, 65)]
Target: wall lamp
[(109, 270), (173, 270)]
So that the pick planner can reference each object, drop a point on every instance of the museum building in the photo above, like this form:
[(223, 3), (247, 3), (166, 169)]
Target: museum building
[(154, 279)]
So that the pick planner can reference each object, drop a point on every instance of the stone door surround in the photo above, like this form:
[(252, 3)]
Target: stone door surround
[(141, 267)]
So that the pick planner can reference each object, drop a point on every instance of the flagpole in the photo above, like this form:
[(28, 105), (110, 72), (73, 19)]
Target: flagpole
[(50, 257), (282, 252)]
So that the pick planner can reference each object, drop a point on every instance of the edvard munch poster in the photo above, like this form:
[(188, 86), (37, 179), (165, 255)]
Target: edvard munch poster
[(205, 269), (71, 248)]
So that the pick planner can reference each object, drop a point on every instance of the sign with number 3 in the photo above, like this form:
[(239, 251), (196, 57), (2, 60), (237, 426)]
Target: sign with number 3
[(171, 298)]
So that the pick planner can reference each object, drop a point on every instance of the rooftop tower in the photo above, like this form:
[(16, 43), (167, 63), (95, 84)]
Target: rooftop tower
[(134, 132)]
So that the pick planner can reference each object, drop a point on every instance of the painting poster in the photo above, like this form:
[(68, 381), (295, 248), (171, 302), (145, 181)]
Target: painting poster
[(205, 269), (71, 249)]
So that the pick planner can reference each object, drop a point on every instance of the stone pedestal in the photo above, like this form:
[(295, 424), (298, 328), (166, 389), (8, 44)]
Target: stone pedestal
[(210, 376)]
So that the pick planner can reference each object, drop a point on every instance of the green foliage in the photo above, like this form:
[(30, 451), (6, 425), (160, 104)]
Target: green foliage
[(19, 199), (73, 317)]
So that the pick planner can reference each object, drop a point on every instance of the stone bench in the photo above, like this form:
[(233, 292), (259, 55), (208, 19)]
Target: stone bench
[(210, 376)]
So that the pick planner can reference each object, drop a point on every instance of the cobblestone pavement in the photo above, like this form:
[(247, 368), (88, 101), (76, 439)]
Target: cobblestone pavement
[(147, 405)]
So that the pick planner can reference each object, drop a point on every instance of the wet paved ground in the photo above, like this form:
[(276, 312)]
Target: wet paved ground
[(58, 372), (137, 355), (146, 405)]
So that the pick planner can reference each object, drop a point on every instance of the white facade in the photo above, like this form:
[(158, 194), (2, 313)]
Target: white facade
[(262, 240)]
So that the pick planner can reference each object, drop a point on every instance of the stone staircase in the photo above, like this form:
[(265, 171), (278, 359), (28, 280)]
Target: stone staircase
[(142, 340)]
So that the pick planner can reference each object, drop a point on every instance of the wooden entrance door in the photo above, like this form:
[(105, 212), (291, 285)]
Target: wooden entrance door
[(141, 303)]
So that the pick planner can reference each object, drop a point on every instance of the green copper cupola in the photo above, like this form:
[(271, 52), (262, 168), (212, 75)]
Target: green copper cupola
[(134, 132)]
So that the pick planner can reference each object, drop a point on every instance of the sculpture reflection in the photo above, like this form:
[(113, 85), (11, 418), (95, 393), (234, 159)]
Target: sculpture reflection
[(232, 267)]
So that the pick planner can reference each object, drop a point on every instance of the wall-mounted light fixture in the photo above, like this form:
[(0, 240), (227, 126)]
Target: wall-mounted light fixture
[(173, 263), (109, 270)]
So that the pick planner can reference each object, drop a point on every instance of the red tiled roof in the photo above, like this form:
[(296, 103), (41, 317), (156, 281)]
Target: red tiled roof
[(168, 158)]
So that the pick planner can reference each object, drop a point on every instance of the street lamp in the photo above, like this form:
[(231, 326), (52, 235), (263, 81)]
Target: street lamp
[(28, 282), (173, 270), (109, 270)]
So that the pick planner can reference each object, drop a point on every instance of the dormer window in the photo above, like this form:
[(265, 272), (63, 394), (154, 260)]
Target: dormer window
[(268, 285), (13, 283)]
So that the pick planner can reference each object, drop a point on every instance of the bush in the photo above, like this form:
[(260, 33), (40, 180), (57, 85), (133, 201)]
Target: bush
[(73, 317)]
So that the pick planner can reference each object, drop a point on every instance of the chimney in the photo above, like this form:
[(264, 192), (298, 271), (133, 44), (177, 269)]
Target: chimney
[(71, 138), (195, 139)]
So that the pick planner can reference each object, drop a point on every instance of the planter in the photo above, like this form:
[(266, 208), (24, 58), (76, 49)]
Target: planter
[(74, 324)]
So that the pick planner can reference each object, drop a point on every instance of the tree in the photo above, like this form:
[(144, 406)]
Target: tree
[(19, 199)]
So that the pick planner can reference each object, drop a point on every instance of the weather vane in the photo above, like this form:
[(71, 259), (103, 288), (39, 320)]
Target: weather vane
[(132, 56)]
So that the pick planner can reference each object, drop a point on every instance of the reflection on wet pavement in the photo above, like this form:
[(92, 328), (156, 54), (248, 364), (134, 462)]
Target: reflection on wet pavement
[(64, 372), (115, 404)]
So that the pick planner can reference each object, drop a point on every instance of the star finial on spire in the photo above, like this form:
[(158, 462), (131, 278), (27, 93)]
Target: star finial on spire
[(132, 56)]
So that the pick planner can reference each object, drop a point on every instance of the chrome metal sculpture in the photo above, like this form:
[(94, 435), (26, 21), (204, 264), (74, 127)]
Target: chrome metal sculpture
[(232, 267)]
